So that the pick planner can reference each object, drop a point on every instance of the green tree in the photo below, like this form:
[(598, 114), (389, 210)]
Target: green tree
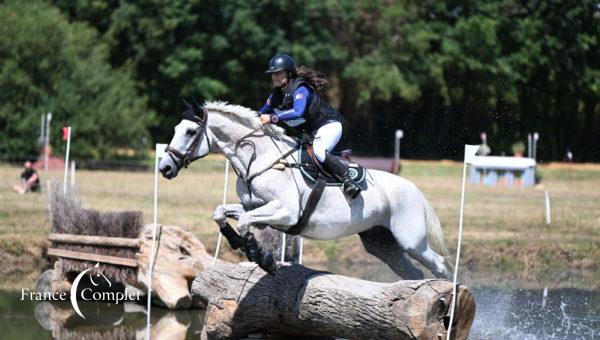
[(50, 65), (441, 70)]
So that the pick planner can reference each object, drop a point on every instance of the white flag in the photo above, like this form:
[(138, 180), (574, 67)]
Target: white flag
[(470, 151), (160, 150)]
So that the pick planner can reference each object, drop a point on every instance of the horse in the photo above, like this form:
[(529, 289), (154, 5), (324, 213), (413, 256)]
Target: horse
[(391, 215)]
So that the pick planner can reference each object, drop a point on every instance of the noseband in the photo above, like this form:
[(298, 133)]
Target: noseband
[(180, 159)]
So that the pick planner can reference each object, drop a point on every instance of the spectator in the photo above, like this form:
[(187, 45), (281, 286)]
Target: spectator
[(30, 180)]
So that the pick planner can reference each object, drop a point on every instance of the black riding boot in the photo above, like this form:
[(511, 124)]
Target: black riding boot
[(339, 170)]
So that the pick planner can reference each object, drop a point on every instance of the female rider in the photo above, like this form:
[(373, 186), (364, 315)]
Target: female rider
[(295, 101)]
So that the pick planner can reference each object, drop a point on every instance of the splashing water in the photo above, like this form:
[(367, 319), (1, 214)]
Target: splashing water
[(522, 314)]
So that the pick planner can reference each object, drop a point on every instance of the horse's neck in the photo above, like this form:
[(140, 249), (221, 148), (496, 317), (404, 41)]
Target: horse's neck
[(240, 145)]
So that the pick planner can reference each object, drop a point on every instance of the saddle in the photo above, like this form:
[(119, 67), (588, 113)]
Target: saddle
[(310, 167), (314, 174)]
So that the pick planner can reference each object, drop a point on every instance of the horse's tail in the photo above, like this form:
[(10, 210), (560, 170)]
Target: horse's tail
[(435, 235)]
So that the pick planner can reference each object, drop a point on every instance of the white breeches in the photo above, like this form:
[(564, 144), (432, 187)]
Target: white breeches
[(326, 138)]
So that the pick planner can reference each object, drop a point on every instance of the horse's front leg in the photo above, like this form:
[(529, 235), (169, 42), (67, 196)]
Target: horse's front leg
[(274, 213), (220, 215)]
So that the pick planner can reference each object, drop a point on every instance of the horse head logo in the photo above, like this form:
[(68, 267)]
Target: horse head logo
[(76, 284)]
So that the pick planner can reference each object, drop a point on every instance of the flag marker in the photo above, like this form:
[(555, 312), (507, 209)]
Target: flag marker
[(470, 151), (66, 136)]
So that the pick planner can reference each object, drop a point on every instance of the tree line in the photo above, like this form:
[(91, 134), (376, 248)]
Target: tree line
[(442, 71)]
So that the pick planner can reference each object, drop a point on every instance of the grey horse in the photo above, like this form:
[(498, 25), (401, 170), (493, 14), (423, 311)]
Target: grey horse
[(391, 215)]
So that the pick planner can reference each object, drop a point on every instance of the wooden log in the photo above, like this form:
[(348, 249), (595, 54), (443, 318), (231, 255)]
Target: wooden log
[(95, 240), (179, 258), (243, 299), (93, 257)]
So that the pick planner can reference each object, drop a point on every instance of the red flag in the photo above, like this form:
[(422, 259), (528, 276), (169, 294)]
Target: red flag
[(66, 131)]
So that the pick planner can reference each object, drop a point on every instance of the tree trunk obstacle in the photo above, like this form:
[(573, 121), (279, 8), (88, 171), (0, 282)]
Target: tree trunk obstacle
[(241, 299)]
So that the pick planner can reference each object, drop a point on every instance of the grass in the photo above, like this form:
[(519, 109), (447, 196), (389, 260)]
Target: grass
[(505, 237)]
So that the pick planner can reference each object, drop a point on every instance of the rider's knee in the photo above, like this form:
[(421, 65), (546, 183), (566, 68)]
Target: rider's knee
[(320, 152)]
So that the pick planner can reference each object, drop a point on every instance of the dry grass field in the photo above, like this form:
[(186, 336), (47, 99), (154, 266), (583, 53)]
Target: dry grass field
[(505, 239)]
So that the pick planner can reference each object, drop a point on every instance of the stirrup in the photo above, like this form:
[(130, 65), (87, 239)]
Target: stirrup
[(351, 189)]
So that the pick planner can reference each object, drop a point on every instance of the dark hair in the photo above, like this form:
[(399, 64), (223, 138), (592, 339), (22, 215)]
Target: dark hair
[(316, 79)]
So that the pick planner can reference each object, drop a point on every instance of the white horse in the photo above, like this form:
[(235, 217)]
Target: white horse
[(391, 215)]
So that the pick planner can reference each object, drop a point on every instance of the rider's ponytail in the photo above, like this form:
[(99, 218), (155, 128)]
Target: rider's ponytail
[(315, 78)]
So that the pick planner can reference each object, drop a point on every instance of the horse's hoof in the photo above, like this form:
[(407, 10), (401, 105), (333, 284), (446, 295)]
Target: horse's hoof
[(268, 263)]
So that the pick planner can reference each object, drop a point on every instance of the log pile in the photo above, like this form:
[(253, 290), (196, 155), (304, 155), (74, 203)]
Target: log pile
[(120, 245), (179, 258)]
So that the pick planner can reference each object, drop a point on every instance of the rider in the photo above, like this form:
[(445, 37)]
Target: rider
[(295, 101)]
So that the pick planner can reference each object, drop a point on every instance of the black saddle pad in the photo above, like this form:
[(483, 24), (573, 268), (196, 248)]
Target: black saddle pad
[(310, 172)]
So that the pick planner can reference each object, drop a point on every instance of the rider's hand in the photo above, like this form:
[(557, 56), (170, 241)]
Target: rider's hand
[(265, 119)]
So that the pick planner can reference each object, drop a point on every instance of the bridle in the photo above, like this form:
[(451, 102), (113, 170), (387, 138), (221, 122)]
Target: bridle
[(182, 160)]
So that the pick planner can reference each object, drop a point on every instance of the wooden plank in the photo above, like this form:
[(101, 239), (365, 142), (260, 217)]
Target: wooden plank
[(95, 240), (93, 257)]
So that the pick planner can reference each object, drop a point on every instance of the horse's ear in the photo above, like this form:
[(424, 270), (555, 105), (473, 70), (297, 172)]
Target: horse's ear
[(197, 106), (187, 104)]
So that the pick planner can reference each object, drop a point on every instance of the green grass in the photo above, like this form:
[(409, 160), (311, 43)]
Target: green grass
[(505, 236)]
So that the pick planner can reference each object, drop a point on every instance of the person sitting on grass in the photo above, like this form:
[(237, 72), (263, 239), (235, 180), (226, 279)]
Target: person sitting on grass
[(30, 180)]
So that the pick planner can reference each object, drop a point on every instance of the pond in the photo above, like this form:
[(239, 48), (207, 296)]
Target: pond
[(501, 314)]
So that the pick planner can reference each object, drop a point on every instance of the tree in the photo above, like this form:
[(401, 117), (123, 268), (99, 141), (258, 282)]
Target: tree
[(50, 65), (442, 71)]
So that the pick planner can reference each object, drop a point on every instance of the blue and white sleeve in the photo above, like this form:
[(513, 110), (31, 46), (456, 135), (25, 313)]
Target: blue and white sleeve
[(300, 101), (267, 108)]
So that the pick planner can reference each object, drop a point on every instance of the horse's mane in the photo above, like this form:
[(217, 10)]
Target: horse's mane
[(244, 115)]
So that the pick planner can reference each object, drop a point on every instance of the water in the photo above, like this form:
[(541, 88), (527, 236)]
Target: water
[(518, 314), (501, 314), (25, 319)]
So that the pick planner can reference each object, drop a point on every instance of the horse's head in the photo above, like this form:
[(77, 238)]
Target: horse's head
[(189, 143)]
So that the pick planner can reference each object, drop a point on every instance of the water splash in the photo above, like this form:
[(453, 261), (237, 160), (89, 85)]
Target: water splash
[(518, 314)]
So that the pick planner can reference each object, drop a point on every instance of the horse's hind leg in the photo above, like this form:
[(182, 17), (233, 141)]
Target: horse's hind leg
[(410, 232), (380, 242)]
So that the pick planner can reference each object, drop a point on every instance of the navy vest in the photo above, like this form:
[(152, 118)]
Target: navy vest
[(317, 114)]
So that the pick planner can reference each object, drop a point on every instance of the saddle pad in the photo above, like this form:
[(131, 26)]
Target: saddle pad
[(310, 171)]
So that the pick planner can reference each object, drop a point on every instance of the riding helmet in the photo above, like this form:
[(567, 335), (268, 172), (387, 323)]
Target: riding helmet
[(280, 62)]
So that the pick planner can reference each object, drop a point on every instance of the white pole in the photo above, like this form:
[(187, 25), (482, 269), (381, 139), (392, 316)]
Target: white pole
[(224, 200), (547, 207), (159, 150), (470, 151), (536, 136), (47, 140), (283, 237), (301, 250), (396, 151), (67, 159), (72, 175), (544, 297), (529, 146), (42, 127), (399, 134)]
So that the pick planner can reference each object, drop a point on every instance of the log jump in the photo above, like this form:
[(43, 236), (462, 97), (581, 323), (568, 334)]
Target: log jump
[(242, 299)]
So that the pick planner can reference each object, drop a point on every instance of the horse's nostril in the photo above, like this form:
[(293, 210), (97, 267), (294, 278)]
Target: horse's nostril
[(166, 169)]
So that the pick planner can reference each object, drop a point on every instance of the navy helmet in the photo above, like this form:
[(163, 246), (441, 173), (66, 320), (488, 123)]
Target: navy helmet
[(280, 62)]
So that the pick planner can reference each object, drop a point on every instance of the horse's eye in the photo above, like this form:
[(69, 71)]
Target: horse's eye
[(190, 133)]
